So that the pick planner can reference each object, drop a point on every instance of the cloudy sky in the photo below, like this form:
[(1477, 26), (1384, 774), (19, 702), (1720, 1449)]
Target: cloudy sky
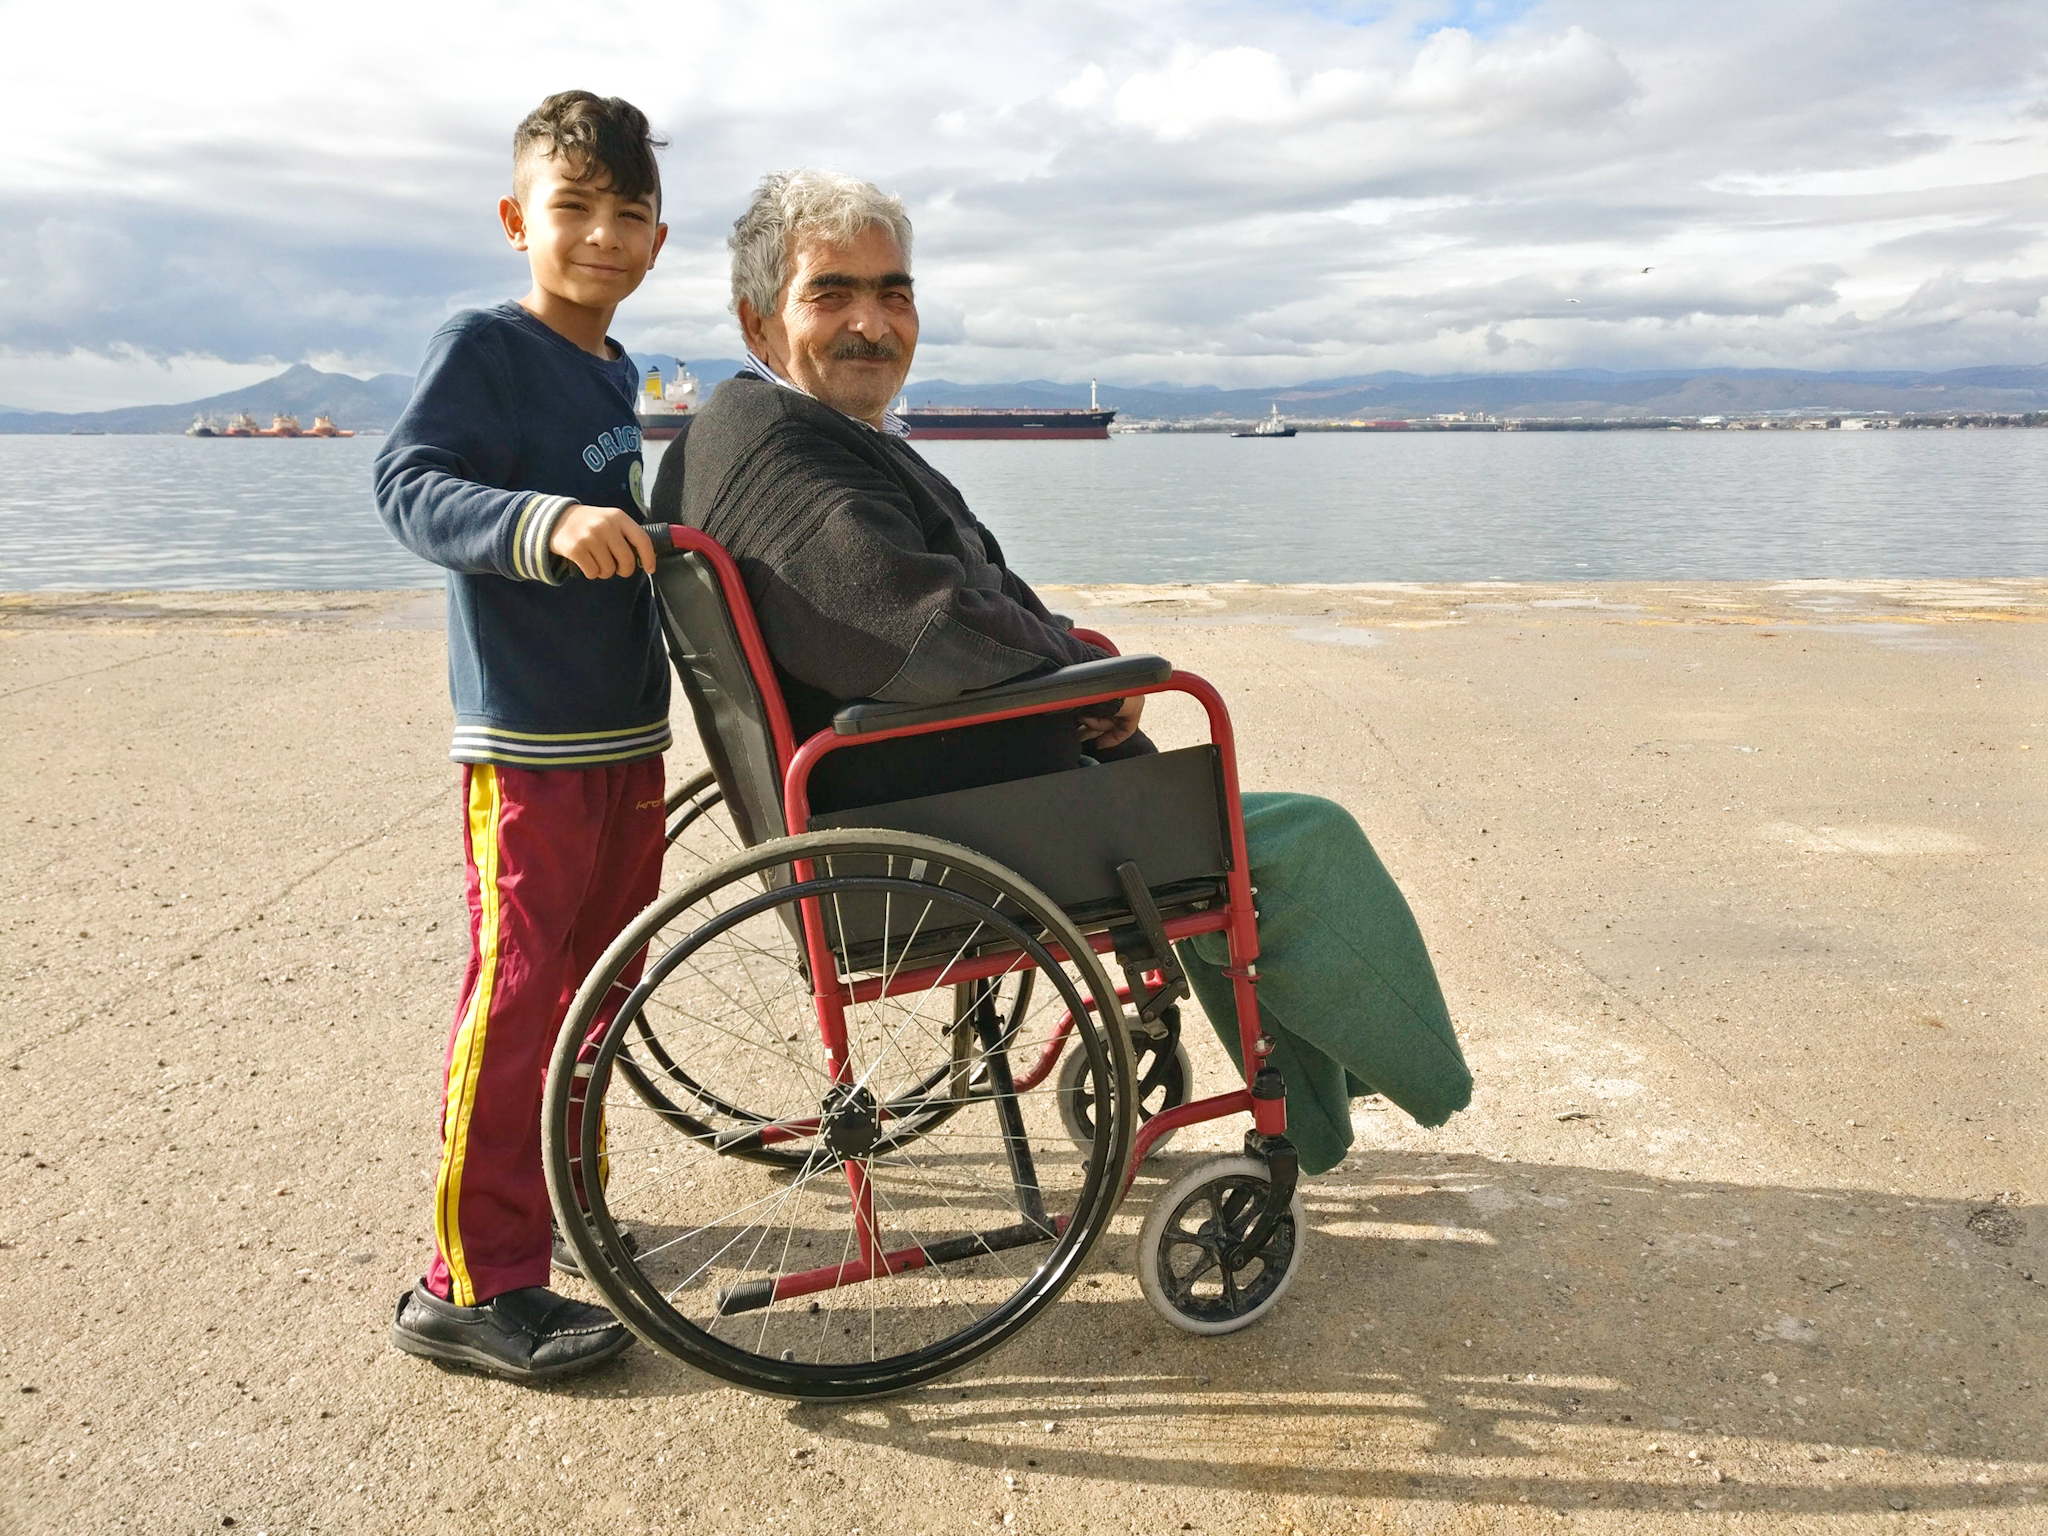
[(1225, 192)]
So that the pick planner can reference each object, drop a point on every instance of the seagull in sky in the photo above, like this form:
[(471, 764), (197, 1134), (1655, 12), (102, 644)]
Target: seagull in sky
[(1649, 269)]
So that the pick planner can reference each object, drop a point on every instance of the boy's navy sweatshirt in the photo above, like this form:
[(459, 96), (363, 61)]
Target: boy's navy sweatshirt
[(509, 425)]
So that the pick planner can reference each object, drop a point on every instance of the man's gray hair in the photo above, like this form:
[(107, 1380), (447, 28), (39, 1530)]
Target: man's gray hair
[(790, 206)]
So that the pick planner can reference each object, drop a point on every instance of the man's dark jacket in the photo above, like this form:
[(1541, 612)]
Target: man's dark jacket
[(872, 580)]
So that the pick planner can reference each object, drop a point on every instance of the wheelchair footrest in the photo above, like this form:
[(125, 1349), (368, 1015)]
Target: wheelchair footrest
[(753, 1295)]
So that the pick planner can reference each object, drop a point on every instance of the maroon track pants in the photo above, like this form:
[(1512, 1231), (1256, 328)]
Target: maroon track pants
[(560, 860)]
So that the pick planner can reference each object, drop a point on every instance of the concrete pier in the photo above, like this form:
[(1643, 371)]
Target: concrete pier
[(1738, 893)]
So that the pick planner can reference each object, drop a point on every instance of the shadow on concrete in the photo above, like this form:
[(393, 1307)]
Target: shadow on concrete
[(1495, 1332)]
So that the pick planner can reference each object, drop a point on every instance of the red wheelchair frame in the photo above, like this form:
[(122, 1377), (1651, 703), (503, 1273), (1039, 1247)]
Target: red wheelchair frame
[(1262, 1096)]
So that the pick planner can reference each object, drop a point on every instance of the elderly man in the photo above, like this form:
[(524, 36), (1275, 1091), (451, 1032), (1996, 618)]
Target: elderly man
[(872, 579), (869, 574)]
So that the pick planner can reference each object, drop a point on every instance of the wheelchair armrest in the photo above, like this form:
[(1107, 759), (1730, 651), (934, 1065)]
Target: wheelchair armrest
[(1113, 675)]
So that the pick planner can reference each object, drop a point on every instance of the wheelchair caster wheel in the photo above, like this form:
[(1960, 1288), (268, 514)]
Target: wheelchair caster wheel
[(1184, 1250), (1164, 1076)]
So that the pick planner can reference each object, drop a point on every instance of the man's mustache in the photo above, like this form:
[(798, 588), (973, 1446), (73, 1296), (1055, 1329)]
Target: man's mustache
[(860, 349)]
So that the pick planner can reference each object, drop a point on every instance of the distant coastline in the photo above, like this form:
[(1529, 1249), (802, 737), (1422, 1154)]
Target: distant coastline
[(1560, 400), (1772, 421)]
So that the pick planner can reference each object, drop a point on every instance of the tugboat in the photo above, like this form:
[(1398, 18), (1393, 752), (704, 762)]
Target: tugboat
[(282, 425), (662, 407), (241, 424), (323, 426), (203, 426), (1272, 426)]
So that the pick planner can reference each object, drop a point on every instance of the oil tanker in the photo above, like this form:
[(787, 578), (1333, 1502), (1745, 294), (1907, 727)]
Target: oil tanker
[(931, 421)]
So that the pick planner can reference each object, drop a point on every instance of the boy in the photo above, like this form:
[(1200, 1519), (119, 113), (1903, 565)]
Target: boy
[(517, 458)]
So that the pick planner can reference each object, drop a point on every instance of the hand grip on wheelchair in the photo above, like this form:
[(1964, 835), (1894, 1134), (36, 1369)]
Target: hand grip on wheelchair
[(658, 534)]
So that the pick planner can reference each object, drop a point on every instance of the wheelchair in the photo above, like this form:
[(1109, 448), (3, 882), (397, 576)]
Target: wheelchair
[(850, 1104)]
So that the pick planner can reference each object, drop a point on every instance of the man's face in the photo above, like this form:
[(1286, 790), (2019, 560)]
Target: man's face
[(586, 245), (847, 328)]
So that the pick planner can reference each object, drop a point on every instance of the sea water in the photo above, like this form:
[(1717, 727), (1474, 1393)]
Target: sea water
[(175, 512)]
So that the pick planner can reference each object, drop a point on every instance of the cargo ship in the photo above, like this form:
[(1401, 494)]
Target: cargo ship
[(931, 421), (242, 424), (662, 406)]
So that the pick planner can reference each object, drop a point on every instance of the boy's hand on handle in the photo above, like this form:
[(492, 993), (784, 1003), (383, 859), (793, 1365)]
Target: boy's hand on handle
[(602, 541)]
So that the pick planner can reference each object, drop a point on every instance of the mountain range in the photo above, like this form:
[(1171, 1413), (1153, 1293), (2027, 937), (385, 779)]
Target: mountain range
[(1575, 392), (301, 391), (373, 404)]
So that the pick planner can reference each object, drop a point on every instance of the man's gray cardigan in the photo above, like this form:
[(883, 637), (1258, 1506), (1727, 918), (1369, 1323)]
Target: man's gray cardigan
[(871, 579)]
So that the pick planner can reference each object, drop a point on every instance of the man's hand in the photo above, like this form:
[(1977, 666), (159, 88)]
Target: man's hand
[(602, 541), (1105, 731)]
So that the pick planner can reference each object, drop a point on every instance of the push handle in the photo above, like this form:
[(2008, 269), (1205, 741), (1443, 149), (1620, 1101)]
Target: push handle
[(661, 535)]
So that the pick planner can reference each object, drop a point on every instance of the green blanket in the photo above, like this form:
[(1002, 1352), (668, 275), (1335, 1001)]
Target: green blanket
[(1345, 983)]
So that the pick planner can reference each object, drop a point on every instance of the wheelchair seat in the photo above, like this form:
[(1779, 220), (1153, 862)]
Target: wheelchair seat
[(1066, 833)]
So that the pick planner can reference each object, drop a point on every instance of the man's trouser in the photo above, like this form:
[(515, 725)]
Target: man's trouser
[(560, 860)]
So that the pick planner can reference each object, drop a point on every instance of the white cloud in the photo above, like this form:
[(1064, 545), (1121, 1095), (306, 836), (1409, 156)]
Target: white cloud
[(1184, 190), (1566, 77), (1201, 92), (1083, 91), (1952, 296), (1452, 83), (99, 381)]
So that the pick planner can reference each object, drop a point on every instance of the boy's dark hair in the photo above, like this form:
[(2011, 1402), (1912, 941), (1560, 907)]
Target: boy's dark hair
[(607, 135)]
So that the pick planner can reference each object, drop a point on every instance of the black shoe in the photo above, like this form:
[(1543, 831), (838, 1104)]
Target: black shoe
[(565, 1257), (529, 1335)]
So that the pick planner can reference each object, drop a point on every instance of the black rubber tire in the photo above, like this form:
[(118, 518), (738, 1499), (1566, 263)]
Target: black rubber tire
[(687, 792), (937, 1317), (1180, 1270), (1162, 1072), (697, 829)]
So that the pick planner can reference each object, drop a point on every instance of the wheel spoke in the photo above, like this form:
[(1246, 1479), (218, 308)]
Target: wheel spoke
[(957, 1171)]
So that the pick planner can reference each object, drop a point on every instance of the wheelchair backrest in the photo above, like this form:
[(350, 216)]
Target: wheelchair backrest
[(732, 718)]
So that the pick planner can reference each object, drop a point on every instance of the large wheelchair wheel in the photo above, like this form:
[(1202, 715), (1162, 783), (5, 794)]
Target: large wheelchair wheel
[(699, 833), (698, 828), (924, 1208), (704, 1095)]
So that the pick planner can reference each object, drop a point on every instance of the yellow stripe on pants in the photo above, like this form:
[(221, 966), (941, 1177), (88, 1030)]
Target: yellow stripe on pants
[(465, 1061)]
